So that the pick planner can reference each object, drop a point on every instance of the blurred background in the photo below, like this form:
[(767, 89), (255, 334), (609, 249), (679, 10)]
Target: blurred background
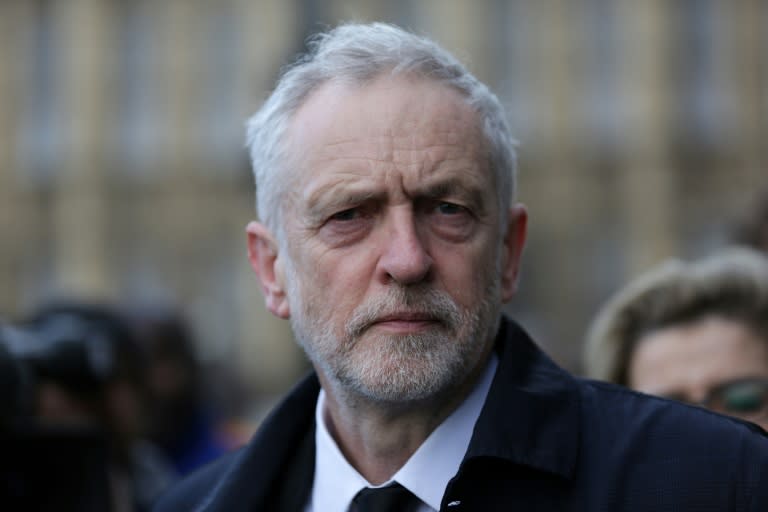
[(123, 177)]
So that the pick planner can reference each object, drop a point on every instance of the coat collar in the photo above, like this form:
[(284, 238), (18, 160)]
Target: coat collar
[(532, 413), (277, 465)]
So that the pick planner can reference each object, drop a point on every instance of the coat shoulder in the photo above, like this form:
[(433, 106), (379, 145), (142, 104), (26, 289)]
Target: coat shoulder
[(191, 493), (634, 411), (657, 446)]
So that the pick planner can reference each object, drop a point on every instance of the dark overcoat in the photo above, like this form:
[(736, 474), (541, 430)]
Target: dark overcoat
[(545, 441)]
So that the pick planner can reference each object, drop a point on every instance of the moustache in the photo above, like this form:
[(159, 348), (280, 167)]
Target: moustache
[(422, 303)]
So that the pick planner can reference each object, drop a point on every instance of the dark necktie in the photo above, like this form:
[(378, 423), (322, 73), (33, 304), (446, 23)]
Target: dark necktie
[(392, 498)]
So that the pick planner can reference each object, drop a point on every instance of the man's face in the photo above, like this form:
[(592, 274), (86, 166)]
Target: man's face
[(396, 265)]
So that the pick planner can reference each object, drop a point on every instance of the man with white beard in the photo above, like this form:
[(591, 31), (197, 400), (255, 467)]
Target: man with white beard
[(389, 237)]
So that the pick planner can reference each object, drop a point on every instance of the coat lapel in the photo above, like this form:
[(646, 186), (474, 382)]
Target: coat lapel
[(277, 466)]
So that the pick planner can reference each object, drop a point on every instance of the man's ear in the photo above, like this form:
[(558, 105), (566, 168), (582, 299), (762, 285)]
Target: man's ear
[(267, 263), (512, 251)]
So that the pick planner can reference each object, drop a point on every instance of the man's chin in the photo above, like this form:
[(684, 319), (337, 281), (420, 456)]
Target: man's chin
[(410, 341), (399, 394), (401, 369)]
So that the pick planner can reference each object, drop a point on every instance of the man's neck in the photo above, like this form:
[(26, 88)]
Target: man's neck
[(378, 439)]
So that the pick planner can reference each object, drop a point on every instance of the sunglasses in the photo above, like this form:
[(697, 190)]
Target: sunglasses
[(745, 398)]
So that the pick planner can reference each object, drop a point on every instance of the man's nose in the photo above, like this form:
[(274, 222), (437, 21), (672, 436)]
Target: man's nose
[(405, 258)]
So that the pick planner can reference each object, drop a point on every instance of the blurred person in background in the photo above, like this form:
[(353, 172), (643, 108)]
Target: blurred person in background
[(182, 422), (86, 372), (696, 332), (45, 467)]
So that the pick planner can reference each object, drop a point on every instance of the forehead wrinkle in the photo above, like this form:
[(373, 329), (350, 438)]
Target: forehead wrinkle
[(347, 173), (348, 181), (438, 145), (423, 135), (460, 186), (354, 147), (442, 160), (406, 141)]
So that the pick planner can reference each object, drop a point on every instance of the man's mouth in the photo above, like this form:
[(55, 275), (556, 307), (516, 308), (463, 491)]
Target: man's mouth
[(405, 322)]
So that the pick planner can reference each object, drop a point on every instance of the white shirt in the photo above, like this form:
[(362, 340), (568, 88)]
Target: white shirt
[(426, 474)]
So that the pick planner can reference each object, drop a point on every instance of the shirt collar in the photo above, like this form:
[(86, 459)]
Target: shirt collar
[(426, 474)]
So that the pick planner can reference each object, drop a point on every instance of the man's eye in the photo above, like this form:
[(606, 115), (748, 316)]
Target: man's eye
[(347, 226), (449, 208), (345, 215)]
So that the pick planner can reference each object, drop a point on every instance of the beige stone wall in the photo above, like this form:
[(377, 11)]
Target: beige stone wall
[(122, 172)]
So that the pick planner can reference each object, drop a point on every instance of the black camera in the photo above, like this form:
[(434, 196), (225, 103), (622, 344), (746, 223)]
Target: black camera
[(49, 466), (70, 351)]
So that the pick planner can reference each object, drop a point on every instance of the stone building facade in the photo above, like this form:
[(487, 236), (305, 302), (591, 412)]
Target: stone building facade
[(642, 129)]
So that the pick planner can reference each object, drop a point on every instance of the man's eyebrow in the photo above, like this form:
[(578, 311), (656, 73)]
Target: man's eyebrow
[(453, 187), (330, 198)]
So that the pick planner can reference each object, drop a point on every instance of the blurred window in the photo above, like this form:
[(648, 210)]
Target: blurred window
[(705, 105), (223, 129), (40, 136), (139, 117)]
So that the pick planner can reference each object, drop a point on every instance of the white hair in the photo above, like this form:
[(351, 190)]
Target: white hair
[(360, 53)]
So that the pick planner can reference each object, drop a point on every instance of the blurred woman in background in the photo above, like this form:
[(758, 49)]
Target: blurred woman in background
[(691, 331)]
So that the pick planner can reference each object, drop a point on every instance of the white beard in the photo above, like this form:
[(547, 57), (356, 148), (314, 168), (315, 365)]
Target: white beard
[(396, 368)]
